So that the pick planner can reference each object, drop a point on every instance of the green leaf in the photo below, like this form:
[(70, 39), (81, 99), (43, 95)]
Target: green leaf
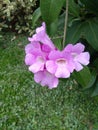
[(91, 32), (87, 29), (57, 41), (92, 80), (91, 5), (74, 8), (50, 9), (52, 28), (95, 126), (36, 15), (75, 32), (61, 22), (95, 92), (83, 77), (95, 63)]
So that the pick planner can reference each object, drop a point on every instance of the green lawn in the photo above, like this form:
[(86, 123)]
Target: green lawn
[(25, 105)]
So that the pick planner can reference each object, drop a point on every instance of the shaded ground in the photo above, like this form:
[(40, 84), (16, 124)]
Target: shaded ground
[(24, 105)]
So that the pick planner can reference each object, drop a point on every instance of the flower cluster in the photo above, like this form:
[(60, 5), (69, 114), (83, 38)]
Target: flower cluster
[(48, 63)]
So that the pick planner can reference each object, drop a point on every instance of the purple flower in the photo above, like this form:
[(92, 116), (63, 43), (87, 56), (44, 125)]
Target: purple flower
[(49, 64), (37, 52), (80, 58), (42, 37), (36, 56), (60, 64), (46, 79), (38, 49)]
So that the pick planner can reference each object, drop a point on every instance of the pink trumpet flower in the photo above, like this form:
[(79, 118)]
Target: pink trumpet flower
[(42, 37), (49, 64), (60, 64), (80, 57), (38, 49), (46, 79)]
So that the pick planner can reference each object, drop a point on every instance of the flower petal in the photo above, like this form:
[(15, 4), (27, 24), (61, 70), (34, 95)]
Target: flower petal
[(83, 58), (68, 48), (62, 70), (70, 65), (78, 66), (51, 66), (46, 79), (41, 36), (49, 80), (29, 59), (55, 54), (77, 48), (38, 65), (39, 76), (30, 48), (42, 28), (46, 48)]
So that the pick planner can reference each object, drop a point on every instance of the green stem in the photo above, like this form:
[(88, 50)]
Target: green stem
[(90, 126), (65, 25)]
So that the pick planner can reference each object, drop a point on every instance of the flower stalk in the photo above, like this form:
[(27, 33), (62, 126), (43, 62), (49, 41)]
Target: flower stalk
[(66, 20)]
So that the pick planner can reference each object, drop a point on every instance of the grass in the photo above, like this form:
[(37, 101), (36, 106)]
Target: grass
[(25, 105)]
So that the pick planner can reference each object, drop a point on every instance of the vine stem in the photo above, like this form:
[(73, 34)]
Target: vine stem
[(90, 126), (65, 25)]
